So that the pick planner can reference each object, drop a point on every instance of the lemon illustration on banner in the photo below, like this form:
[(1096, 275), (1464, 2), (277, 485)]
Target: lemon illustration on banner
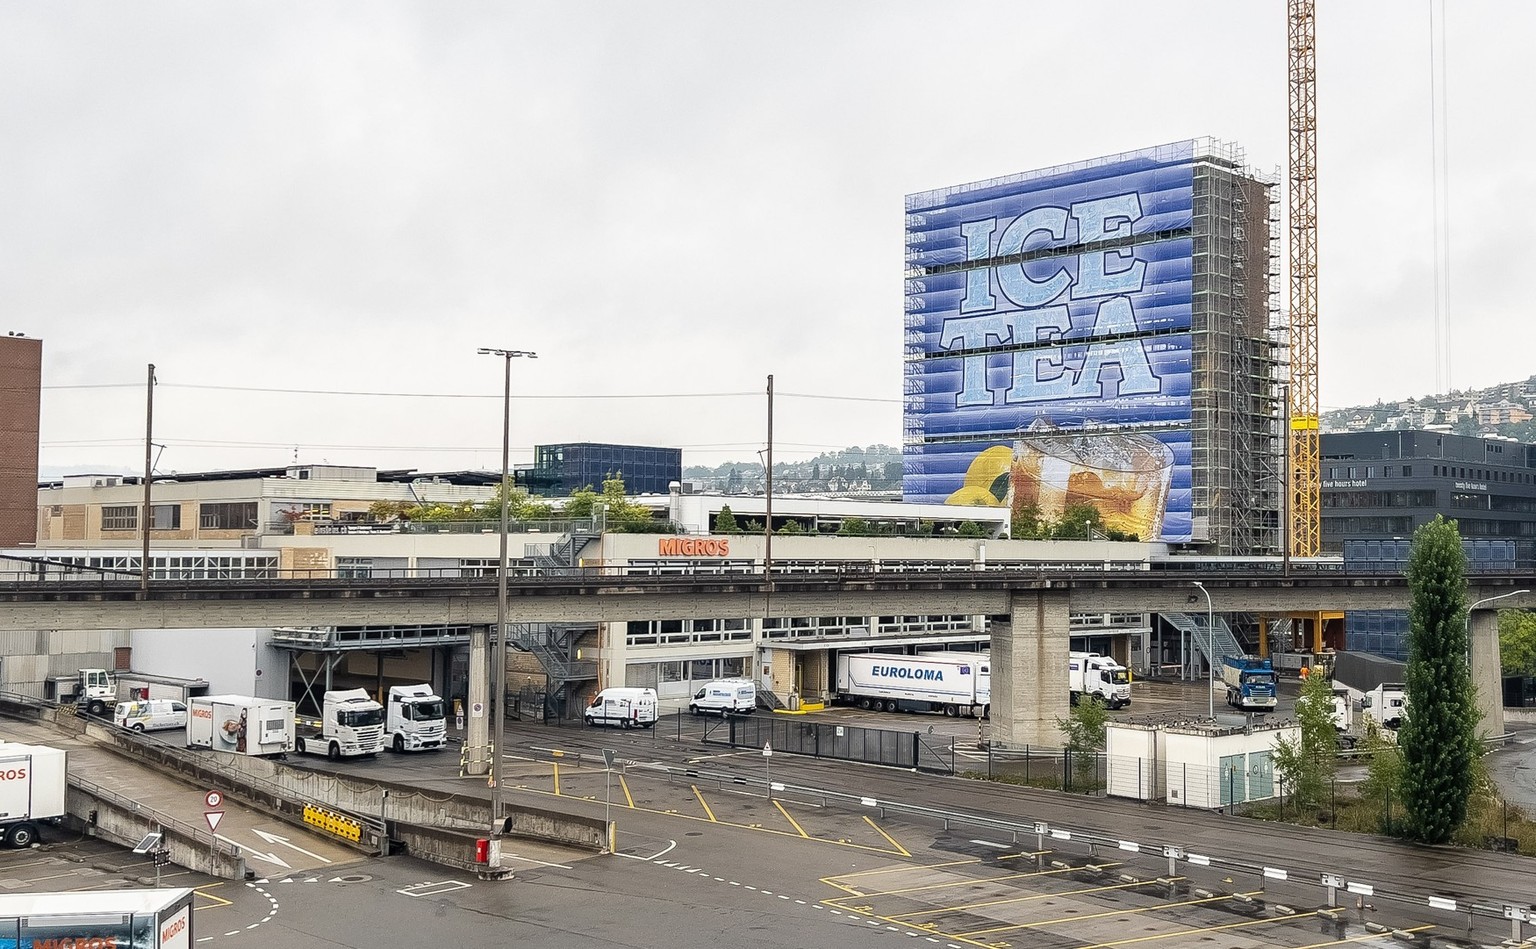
[(986, 480)]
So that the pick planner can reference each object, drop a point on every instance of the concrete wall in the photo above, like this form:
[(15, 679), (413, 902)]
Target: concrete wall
[(29, 657), (238, 661), (125, 823)]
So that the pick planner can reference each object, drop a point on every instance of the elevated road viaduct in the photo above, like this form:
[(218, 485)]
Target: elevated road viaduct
[(1031, 610)]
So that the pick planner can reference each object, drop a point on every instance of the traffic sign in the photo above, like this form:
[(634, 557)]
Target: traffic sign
[(213, 799), (213, 818), (767, 750), (477, 709)]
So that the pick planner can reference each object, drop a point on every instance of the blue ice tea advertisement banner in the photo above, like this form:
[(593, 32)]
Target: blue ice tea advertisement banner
[(1048, 354)]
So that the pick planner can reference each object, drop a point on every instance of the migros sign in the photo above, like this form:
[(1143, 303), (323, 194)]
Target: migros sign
[(691, 547)]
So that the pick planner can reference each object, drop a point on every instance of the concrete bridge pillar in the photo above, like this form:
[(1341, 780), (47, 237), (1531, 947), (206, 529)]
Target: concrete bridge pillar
[(477, 726), (1487, 674), (1029, 669)]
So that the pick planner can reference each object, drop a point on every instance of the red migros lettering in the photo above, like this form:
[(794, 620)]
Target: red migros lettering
[(176, 926), (76, 942), (13, 774), (693, 547), (202, 711)]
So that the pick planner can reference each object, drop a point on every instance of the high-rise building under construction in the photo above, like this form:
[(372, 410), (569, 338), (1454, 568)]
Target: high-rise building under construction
[(1101, 337)]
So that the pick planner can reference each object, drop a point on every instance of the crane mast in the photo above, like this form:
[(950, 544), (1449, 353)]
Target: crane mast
[(1304, 483)]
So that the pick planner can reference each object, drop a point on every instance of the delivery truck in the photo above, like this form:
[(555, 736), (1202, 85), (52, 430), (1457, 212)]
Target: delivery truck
[(1098, 677), (241, 724), (31, 791), (725, 697), (415, 718), (98, 919), (1251, 683), (624, 707), (893, 683), (351, 725), (93, 691)]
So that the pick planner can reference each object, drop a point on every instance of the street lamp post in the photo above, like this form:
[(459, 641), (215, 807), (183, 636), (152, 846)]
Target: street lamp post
[(1210, 649), (499, 697)]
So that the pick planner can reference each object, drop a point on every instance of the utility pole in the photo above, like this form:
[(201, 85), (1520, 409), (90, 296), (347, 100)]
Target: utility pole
[(768, 519), (149, 436), (499, 698)]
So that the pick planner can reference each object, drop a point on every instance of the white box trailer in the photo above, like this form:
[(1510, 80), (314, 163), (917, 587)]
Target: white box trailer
[(241, 724), (143, 919), (32, 788), (895, 683)]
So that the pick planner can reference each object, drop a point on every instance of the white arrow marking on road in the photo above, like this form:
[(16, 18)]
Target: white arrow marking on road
[(275, 839), (247, 851)]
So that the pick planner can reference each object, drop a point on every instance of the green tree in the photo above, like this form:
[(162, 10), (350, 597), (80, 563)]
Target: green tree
[(1384, 773), (1438, 736), (520, 505), (619, 513), (1079, 522), (970, 529), (1084, 729), (1517, 642), (725, 521), (790, 527), (1029, 525), (854, 527), (1307, 766)]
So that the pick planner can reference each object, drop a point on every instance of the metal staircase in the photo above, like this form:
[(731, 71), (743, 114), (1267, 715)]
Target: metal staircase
[(554, 646), (1213, 644), (561, 557)]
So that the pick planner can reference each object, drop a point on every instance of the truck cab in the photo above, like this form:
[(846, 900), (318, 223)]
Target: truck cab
[(1099, 677), (93, 691), (1251, 681), (351, 724), (415, 718), (1385, 704)]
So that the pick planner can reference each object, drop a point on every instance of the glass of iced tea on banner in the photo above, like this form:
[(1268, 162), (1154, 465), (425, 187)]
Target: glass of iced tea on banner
[(1123, 475)]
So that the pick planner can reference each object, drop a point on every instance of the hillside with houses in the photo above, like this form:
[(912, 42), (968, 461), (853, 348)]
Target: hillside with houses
[(1507, 410)]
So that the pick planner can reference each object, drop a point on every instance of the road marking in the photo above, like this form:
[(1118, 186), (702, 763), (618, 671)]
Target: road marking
[(793, 823), (671, 845), (624, 785), (513, 856), (219, 900), (433, 888), (904, 851), (276, 839), (557, 778), (1208, 929), (250, 852), (1130, 912), (1026, 899), (966, 881), (1362, 938), (733, 754), (700, 795)]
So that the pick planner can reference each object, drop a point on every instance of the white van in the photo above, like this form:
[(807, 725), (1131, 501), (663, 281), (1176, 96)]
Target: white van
[(626, 708), (148, 715), (725, 697)]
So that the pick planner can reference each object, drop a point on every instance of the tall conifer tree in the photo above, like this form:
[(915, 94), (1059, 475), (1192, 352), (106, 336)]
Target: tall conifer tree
[(1438, 737)]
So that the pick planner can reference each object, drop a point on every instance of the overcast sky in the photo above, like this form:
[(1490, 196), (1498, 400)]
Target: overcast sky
[(662, 199)]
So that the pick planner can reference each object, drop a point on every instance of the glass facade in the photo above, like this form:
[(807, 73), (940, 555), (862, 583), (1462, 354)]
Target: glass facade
[(560, 469)]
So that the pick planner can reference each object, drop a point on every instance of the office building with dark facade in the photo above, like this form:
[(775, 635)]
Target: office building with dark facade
[(1379, 487), (560, 469)]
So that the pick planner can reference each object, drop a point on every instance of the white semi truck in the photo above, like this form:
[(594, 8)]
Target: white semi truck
[(890, 683), (351, 724), (1099, 677), (1385, 704), (415, 718), (241, 724), (31, 791)]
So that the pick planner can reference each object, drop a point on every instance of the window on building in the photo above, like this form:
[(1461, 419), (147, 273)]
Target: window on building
[(239, 515), (1407, 471), (165, 517), (120, 517)]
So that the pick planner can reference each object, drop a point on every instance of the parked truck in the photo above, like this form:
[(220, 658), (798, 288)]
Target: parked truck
[(351, 725), (1099, 677), (31, 791), (891, 683), (1251, 683), (93, 691), (98, 919), (241, 724), (415, 718), (1385, 704)]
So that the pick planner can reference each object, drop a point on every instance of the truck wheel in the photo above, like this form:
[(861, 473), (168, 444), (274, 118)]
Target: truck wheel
[(333, 752), (588, 720), (693, 710), (21, 836), (399, 743), (299, 746), (864, 704), (626, 724), (97, 707), (138, 726)]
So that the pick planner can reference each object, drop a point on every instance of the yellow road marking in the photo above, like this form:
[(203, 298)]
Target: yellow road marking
[(794, 823), (700, 795), (759, 829), (627, 796), (898, 869), (1362, 938), (887, 836), (1118, 912), (557, 779), (1023, 899), (1207, 929), (967, 881), (218, 900)]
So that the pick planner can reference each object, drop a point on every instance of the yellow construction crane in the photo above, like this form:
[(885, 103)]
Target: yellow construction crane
[(1304, 483)]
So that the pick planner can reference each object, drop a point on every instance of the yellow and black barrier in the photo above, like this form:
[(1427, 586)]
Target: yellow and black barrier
[(343, 827)]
